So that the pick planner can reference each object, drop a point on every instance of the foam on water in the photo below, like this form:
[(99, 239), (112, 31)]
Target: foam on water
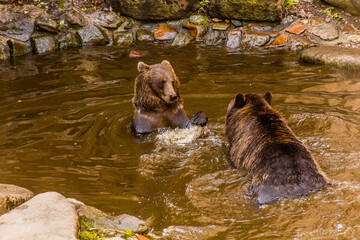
[(180, 136)]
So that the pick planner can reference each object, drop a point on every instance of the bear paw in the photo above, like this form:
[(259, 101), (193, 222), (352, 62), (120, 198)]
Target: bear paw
[(199, 119)]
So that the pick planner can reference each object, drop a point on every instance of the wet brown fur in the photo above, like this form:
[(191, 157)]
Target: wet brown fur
[(261, 142), (153, 109)]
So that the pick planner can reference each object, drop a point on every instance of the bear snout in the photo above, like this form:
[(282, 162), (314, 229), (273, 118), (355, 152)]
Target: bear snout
[(173, 97)]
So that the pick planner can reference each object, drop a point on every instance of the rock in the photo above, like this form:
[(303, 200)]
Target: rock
[(43, 44), (325, 31), (349, 29), (214, 37), (103, 220), (265, 10), (144, 35), (154, 9), (222, 26), (299, 42), (12, 196), (181, 40), (45, 216), (105, 19), (253, 38), (165, 32), (234, 38), (351, 6), (296, 28), (347, 58), (19, 30), (4, 53), (92, 35), (314, 22), (136, 54), (236, 23), (18, 48), (190, 232), (198, 19), (47, 24), (69, 40), (279, 41), (123, 38), (76, 17), (196, 31)]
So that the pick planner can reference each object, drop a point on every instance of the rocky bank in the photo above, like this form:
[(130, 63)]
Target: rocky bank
[(43, 27)]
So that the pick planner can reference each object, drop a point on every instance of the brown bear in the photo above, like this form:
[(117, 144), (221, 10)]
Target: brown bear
[(261, 142), (157, 100)]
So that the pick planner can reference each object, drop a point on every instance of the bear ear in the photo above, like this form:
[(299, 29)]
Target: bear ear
[(268, 97), (239, 101), (166, 63), (142, 67)]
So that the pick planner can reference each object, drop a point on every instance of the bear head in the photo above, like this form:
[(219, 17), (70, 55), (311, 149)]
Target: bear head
[(252, 99), (156, 87)]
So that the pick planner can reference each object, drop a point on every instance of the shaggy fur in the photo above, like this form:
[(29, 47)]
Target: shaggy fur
[(261, 142), (157, 100)]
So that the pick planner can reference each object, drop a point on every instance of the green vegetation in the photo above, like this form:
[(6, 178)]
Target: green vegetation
[(61, 24), (337, 16), (289, 4), (326, 11), (86, 233), (204, 6)]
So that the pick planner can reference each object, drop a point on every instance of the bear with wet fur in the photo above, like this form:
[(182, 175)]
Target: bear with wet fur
[(262, 143), (157, 100)]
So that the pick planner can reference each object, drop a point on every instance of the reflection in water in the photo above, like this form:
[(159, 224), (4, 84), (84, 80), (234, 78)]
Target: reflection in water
[(65, 126)]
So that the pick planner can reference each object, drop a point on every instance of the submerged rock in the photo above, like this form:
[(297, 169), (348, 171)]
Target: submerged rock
[(12, 196), (181, 40), (191, 232), (347, 58), (45, 216), (92, 35), (43, 44), (123, 38), (265, 10), (155, 9), (325, 31), (47, 24), (105, 19), (105, 221)]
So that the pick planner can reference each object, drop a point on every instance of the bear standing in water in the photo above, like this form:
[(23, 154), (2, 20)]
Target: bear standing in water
[(157, 100), (261, 142)]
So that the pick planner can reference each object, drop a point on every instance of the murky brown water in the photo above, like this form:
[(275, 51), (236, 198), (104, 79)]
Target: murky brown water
[(64, 126)]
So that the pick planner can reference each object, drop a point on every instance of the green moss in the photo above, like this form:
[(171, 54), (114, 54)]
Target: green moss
[(61, 4), (86, 233)]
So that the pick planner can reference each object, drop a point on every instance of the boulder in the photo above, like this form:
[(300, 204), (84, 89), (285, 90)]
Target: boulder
[(43, 44), (347, 58), (68, 40), (19, 30), (265, 10), (45, 216), (253, 38), (105, 19), (214, 37), (47, 24), (105, 221), (12, 196), (165, 32), (154, 9), (351, 6), (144, 35), (18, 48), (76, 17), (123, 38), (181, 40), (234, 38), (92, 35), (196, 31)]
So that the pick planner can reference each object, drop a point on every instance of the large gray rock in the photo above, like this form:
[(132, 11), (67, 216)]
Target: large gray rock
[(264, 10), (12, 196), (347, 58), (351, 6), (181, 40), (214, 37), (43, 44), (19, 30), (325, 31), (47, 24), (105, 19), (45, 216), (155, 9), (92, 35)]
